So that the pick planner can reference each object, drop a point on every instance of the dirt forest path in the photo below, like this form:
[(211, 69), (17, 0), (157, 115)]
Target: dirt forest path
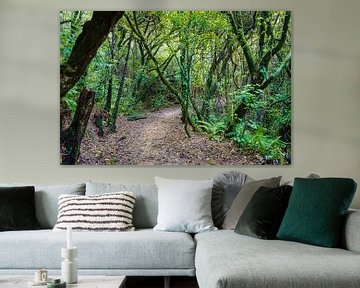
[(160, 139), (149, 140)]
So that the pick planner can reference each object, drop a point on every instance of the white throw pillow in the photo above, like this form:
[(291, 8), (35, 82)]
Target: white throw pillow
[(184, 205), (105, 212)]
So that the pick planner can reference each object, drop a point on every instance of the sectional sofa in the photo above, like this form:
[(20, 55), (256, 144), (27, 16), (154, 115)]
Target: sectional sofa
[(218, 259)]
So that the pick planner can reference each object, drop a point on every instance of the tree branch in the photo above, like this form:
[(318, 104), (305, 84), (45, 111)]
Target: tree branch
[(277, 73), (87, 43), (135, 28), (262, 34), (239, 32), (267, 57)]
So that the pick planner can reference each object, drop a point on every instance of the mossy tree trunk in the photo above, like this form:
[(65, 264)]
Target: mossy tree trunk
[(123, 71), (185, 70), (112, 43), (72, 137)]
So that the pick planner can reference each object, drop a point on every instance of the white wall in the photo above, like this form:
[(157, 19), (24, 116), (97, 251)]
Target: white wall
[(326, 91)]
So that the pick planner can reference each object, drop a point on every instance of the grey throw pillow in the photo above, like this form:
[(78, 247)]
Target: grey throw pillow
[(226, 187), (242, 199), (184, 205)]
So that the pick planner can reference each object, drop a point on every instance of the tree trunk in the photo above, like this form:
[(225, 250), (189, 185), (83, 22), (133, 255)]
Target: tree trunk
[(112, 45), (72, 137), (87, 43), (185, 88), (120, 91), (109, 95), (210, 86)]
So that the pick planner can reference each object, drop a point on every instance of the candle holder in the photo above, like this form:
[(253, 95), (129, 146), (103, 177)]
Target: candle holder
[(69, 271)]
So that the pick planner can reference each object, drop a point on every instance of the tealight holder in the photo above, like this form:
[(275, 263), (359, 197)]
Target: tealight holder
[(69, 270)]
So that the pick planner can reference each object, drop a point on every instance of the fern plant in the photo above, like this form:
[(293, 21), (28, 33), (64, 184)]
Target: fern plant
[(69, 101), (268, 147), (214, 128)]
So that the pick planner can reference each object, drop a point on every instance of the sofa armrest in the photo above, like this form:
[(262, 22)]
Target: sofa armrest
[(351, 234)]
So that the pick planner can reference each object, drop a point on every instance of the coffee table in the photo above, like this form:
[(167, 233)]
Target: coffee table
[(84, 281)]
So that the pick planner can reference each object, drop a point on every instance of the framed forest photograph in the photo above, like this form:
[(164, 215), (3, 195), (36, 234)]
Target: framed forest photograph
[(175, 87)]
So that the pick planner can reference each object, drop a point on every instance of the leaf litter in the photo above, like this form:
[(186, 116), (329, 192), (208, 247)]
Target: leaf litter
[(158, 139)]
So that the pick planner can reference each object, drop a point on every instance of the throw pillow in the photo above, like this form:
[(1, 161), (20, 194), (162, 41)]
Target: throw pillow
[(46, 200), (243, 198), (184, 205), (226, 186), (17, 208), (263, 215), (106, 212), (146, 205), (317, 209)]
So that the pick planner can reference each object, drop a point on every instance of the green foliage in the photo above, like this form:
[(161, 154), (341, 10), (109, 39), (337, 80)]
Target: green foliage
[(270, 148), (214, 128), (250, 97), (71, 24), (150, 92), (69, 100), (69, 103), (158, 101), (129, 106), (264, 117)]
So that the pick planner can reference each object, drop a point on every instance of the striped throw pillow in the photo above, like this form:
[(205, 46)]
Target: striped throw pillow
[(105, 212)]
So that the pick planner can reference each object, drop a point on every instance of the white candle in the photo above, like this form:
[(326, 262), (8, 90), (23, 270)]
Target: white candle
[(69, 237)]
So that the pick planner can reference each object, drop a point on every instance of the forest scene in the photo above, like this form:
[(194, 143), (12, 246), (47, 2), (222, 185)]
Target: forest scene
[(175, 87)]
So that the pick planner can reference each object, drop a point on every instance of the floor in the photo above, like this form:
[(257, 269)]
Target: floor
[(158, 282)]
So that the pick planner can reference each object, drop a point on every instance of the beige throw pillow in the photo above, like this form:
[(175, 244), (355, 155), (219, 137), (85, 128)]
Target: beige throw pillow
[(243, 198)]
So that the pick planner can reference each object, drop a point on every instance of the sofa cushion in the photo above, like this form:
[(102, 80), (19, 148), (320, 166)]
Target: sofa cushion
[(46, 200), (146, 205), (317, 209), (17, 208), (350, 239), (243, 198), (225, 259), (138, 250), (263, 215), (184, 205), (225, 189), (105, 212)]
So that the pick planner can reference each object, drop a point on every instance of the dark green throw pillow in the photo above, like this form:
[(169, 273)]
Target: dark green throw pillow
[(263, 214), (316, 211), (17, 208)]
